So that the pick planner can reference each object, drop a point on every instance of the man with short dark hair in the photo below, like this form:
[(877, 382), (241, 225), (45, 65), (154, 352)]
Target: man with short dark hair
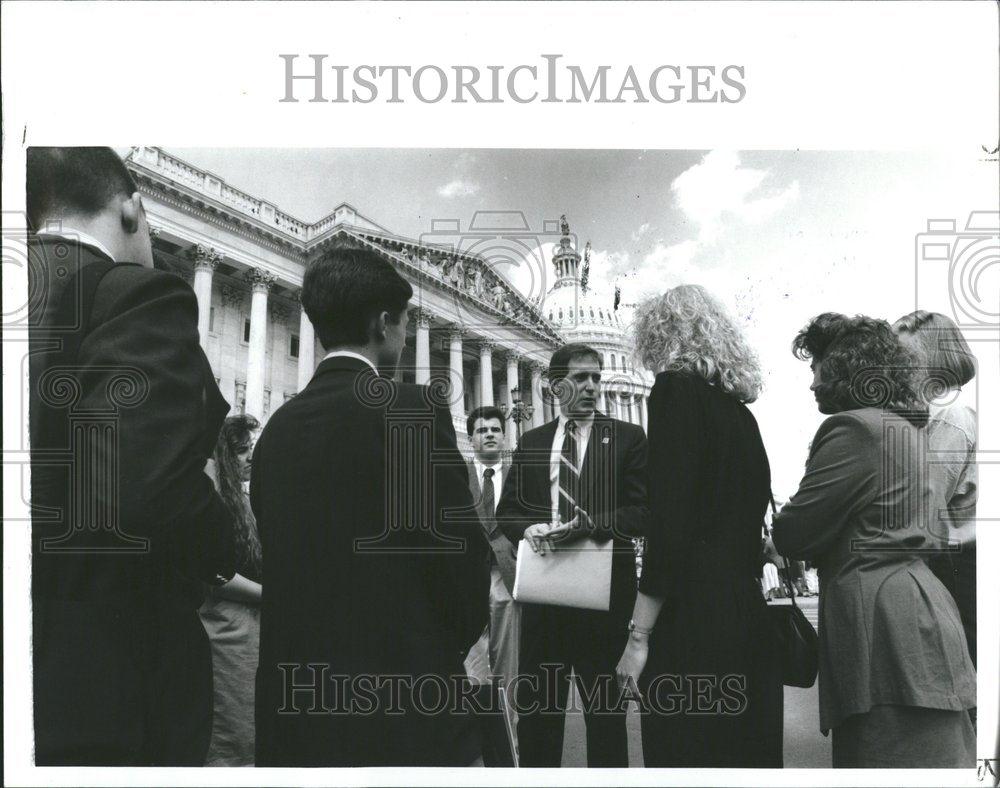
[(496, 652), (582, 474), (375, 564), (126, 525)]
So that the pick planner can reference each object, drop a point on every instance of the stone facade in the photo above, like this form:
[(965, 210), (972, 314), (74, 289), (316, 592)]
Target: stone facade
[(245, 259)]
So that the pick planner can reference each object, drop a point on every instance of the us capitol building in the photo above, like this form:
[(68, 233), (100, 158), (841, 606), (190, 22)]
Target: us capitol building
[(245, 259)]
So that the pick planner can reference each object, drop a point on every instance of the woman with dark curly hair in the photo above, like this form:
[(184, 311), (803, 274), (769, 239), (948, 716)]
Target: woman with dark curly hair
[(231, 613), (895, 677)]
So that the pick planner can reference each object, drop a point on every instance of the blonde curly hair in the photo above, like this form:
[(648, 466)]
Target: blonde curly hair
[(687, 330)]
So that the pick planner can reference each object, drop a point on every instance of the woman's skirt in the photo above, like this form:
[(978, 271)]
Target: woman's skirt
[(712, 691), (234, 633), (905, 737)]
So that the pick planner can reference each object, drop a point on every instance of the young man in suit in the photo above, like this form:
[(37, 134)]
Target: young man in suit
[(375, 565), (494, 657), (126, 525), (582, 474)]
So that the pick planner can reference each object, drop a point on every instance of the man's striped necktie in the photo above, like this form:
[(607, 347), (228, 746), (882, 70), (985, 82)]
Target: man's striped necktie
[(569, 474)]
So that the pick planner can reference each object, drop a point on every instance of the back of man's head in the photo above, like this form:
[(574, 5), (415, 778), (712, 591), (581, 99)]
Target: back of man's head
[(69, 182), (345, 290)]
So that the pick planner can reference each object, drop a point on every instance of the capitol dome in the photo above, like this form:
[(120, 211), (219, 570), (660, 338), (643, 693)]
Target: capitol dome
[(580, 314)]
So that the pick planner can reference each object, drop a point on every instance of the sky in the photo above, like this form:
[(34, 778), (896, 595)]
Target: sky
[(778, 236)]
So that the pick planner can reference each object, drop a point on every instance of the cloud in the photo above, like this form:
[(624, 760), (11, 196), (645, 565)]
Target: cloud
[(458, 188), (719, 198), (637, 234), (718, 189)]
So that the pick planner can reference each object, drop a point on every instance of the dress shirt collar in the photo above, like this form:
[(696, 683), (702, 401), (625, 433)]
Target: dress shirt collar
[(583, 425), (350, 354), (480, 467), (76, 236)]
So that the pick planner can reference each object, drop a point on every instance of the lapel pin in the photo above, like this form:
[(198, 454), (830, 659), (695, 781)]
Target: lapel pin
[(606, 440)]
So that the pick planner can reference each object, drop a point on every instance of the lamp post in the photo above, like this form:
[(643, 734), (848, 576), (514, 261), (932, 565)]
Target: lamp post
[(517, 410)]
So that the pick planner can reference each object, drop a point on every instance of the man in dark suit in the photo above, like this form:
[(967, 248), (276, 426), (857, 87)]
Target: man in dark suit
[(375, 567), (493, 660), (582, 474), (126, 525)]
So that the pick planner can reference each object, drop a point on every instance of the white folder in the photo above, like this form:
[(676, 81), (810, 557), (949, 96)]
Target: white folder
[(575, 575)]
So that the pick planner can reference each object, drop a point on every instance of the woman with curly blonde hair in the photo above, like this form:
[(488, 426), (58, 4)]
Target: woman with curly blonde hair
[(700, 647), (688, 330)]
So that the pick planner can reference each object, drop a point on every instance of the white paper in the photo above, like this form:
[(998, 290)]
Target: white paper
[(577, 575)]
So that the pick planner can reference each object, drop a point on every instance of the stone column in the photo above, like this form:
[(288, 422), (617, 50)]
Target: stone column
[(486, 371), (232, 301), (537, 415), (456, 373), (644, 412), (205, 261), (260, 282), (422, 366), (477, 388), (281, 314), (512, 382), (307, 349), (605, 402)]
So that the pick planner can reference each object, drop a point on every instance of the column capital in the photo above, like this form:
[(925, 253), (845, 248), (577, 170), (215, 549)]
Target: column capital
[(232, 295), (487, 346), (422, 317), (154, 233), (457, 332), (513, 357), (259, 279), (538, 368), (204, 257)]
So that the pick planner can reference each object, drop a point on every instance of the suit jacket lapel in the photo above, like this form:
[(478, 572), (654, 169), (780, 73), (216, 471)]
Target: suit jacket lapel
[(592, 463), (474, 487), (541, 453)]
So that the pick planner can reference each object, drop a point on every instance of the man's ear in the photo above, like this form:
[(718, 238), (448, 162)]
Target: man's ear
[(131, 210), (378, 325)]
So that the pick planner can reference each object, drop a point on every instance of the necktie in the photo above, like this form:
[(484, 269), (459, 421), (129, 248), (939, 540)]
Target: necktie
[(569, 475), (489, 493)]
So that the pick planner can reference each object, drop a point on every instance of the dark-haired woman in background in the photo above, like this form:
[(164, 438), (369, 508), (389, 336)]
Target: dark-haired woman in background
[(231, 613), (700, 646), (945, 364), (895, 677)]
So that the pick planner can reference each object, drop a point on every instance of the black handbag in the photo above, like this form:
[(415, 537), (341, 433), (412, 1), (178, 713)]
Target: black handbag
[(797, 644)]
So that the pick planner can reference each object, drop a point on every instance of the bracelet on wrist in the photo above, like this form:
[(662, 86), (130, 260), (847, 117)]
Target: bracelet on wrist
[(634, 629)]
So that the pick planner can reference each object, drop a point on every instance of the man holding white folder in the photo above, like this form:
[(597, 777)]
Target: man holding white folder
[(575, 484)]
